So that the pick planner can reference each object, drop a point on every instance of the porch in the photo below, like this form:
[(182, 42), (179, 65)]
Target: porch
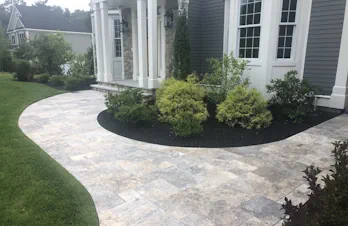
[(132, 41)]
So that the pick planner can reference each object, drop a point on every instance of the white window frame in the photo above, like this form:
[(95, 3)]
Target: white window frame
[(118, 38), (294, 34), (13, 39), (239, 27), (20, 39)]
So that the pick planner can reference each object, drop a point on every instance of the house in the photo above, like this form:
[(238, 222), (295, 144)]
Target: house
[(26, 22), (134, 41)]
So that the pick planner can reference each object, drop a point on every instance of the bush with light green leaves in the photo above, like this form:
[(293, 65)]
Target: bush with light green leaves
[(245, 108), (181, 104)]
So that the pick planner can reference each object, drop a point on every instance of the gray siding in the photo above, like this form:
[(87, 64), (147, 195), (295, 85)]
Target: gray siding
[(206, 25), (324, 41)]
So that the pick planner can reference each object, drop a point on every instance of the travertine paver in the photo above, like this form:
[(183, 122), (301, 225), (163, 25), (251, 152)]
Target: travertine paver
[(134, 183)]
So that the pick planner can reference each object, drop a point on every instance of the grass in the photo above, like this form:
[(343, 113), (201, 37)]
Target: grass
[(34, 189)]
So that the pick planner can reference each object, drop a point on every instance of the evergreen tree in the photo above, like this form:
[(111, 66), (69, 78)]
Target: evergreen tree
[(182, 49)]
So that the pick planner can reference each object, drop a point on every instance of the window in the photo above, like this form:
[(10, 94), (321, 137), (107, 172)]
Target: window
[(249, 28), (286, 29), (13, 39), (21, 38), (117, 38)]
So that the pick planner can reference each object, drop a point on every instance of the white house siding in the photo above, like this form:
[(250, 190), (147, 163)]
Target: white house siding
[(79, 42)]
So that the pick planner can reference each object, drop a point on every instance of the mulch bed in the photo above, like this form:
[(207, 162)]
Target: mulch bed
[(215, 135)]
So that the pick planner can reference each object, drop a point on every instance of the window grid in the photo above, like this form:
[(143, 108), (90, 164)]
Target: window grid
[(286, 29), (117, 38), (13, 39), (249, 28), (21, 38)]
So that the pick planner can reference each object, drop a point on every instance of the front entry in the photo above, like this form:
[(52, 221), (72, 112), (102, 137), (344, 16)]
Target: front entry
[(117, 50)]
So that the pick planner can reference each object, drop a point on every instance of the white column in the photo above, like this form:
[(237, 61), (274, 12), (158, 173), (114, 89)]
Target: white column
[(98, 42), (163, 41), (142, 47), (107, 49), (153, 45), (93, 44), (339, 97), (135, 44), (226, 25)]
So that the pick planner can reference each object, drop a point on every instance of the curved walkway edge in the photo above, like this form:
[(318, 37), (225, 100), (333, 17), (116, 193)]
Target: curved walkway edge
[(135, 183)]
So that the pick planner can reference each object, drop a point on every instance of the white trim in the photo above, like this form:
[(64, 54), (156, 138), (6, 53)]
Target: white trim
[(52, 31), (114, 11), (226, 26), (122, 46), (306, 33)]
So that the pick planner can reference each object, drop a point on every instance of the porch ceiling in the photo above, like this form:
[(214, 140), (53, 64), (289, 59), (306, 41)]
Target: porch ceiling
[(133, 3)]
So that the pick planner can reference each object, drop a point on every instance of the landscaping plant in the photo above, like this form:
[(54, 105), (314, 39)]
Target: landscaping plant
[(57, 80), (129, 106), (43, 78), (23, 70), (181, 104), (327, 204), (6, 61), (246, 108), (292, 97), (224, 76), (73, 83), (182, 49)]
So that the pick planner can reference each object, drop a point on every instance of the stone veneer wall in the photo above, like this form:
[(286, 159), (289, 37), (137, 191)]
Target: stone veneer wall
[(170, 35), (127, 45)]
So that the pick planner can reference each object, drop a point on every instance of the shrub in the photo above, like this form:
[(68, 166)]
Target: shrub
[(245, 108), (23, 70), (128, 106), (182, 57), (293, 98), (73, 83), (79, 67), (43, 78), (181, 104), (57, 80), (224, 76), (327, 204)]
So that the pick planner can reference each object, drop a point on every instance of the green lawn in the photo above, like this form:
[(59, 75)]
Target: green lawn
[(34, 189)]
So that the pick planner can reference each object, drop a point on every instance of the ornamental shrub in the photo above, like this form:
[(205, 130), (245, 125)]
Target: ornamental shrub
[(246, 108), (43, 78), (181, 104), (128, 106), (293, 98), (23, 70), (57, 80), (73, 83), (224, 76), (327, 204)]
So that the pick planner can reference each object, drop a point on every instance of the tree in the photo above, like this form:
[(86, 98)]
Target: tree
[(182, 49), (52, 52), (6, 63)]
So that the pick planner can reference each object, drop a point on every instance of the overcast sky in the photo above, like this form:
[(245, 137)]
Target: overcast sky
[(70, 4)]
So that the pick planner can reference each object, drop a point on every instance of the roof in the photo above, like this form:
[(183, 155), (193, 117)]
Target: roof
[(35, 18)]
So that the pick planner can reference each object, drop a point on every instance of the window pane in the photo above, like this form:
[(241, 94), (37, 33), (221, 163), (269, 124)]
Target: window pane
[(284, 17), (257, 18), (281, 42), (250, 8), (243, 20), (250, 19), (243, 32), (285, 4), (256, 53), (250, 42), (257, 31), (287, 53), (258, 7), (293, 5), (289, 30), (242, 42), (248, 53), (280, 53), (282, 30), (292, 16), (242, 53), (288, 42), (250, 32), (243, 10), (256, 42)]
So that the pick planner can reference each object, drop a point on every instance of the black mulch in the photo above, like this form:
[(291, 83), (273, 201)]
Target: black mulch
[(215, 135)]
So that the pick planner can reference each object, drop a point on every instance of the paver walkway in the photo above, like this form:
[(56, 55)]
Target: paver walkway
[(134, 183)]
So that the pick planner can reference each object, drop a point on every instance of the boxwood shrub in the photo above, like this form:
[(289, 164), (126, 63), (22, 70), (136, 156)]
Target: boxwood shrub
[(246, 108), (23, 70), (42, 78), (57, 80), (181, 104)]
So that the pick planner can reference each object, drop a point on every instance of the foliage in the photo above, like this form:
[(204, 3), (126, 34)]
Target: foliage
[(89, 58), (128, 106), (6, 61), (73, 83), (52, 51), (246, 108), (57, 80), (327, 204), (25, 51), (224, 76), (79, 67), (182, 57), (23, 70), (42, 78), (293, 97), (31, 181), (181, 104)]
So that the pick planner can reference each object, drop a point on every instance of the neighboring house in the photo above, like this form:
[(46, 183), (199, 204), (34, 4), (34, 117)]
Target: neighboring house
[(276, 36), (26, 22)]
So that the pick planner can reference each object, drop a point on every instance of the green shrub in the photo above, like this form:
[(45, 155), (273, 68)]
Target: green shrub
[(181, 104), (23, 70), (327, 204), (73, 83), (246, 108), (57, 80), (128, 106), (43, 78), (224, 76), (293, 98)]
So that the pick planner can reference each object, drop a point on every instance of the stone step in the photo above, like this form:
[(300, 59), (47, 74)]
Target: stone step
[(147, 93)]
